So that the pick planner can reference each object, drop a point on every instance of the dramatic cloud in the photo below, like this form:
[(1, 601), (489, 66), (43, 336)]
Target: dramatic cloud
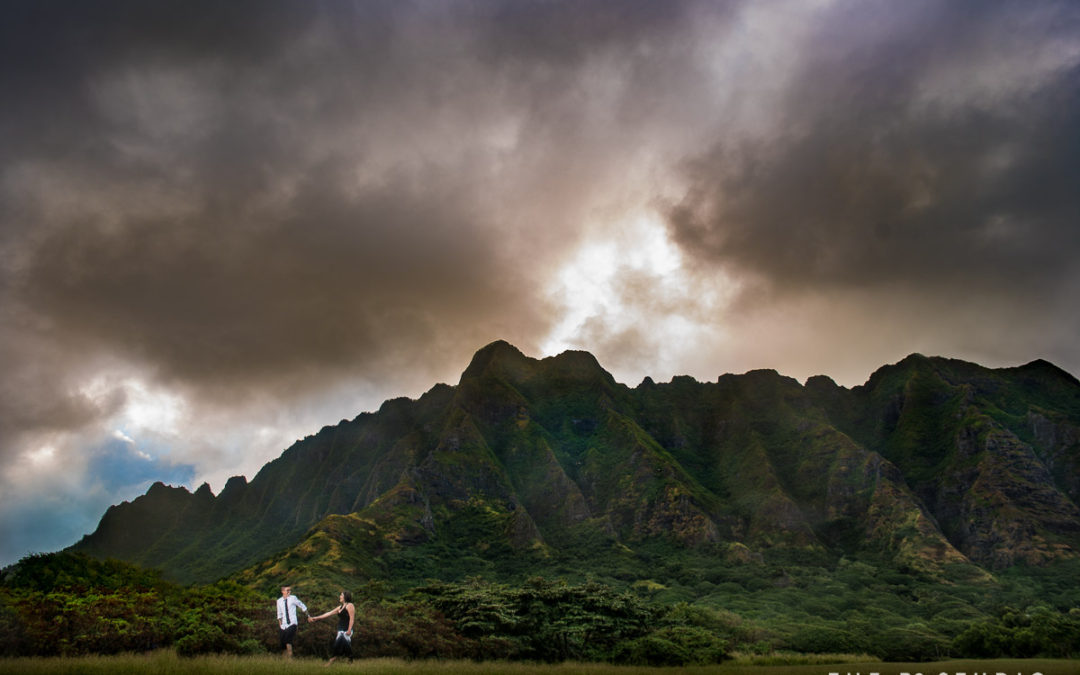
[(919, 169), (899, 159), (223, 226)]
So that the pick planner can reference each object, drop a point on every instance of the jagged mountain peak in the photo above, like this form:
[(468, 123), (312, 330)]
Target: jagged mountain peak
[(498, 355), (503, 361), (1041, 367), (918, 365), (160, 490), (911, 362), (234, 483), (552, 454), (822, 382), (575, 361)]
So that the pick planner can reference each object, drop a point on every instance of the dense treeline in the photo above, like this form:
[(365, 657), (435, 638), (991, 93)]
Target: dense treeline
[(1036, 631), (555, 621), (70, 604)]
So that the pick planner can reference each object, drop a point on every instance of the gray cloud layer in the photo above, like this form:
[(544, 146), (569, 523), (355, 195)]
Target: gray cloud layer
[(893, 162), (237, 211)]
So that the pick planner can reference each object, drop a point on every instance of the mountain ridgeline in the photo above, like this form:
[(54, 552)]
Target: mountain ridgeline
[(932, 465)]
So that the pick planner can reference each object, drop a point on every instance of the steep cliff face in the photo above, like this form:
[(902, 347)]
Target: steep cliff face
[(972, 444), (931, 462)]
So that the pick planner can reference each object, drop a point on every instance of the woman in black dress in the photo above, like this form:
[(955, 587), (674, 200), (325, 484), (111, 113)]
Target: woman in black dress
[(346, 614)]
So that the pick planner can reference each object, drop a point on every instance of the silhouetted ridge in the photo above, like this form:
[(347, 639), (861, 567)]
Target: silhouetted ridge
[(1042, 368), (234, 485), (577, 367), (496, 357), (933, 462), (822, 383)]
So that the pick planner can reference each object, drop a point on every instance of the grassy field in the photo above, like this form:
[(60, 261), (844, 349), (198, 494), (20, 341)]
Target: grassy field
[(167, 663)]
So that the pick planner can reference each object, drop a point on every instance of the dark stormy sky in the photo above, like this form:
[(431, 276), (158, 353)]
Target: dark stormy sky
[(224, 225)]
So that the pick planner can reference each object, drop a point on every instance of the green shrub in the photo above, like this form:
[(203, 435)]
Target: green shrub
[(202, 640), (651, 650), (825, 640), (914, 642)]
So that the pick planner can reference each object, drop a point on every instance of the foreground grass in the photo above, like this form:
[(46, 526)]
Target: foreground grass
[(167, 663), (796, 659)]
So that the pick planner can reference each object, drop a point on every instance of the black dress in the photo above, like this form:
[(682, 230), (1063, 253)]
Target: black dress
[(342, 643)]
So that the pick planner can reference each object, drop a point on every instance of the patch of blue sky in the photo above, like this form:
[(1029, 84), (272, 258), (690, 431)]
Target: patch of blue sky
[(119, 465)]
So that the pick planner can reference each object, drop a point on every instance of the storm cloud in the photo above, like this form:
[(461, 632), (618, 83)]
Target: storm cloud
[(225, 225), (940, 150)]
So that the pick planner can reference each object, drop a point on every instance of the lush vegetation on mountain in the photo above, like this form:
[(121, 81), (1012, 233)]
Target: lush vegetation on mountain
[(930, 512)]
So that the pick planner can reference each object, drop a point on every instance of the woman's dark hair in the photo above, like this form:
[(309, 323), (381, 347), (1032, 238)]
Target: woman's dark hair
[(347, 595)]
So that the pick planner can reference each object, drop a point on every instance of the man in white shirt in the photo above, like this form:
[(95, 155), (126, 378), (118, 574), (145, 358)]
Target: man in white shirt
[(287, 605)]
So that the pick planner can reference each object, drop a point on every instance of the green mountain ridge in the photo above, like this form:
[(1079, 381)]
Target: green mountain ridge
[(531, 465)]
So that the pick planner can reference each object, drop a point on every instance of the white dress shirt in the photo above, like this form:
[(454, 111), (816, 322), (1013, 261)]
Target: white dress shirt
[(286, 610)]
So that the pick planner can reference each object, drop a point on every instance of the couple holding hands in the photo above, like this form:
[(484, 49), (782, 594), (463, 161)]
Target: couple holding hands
[(346, 614)]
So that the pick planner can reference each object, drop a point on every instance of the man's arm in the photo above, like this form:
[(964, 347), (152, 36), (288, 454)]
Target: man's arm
[(300, 604)]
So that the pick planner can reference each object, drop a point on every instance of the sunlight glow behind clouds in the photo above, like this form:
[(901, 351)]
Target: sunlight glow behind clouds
[(586, 286), (632, 271), (148, 407), (42, 459)]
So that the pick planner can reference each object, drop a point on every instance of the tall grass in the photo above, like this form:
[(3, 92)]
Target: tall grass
[(167, 663), (782, 658)]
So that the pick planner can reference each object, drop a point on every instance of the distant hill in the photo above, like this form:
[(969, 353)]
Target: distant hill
[(550, 467)]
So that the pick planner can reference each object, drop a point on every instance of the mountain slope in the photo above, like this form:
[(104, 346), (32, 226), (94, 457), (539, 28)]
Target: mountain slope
[(524, 462)]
